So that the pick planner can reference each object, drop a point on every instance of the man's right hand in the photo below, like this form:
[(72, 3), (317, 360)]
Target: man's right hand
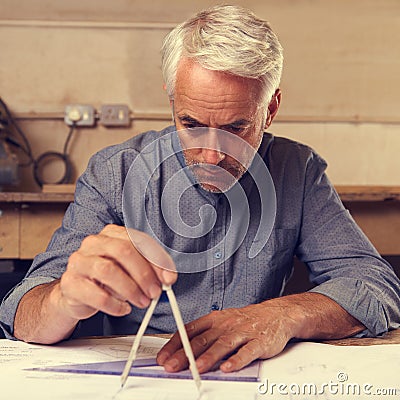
[(107, 273)]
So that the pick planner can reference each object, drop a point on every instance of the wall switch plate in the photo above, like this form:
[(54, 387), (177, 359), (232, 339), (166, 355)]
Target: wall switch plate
[(115, 115), (79, 115)]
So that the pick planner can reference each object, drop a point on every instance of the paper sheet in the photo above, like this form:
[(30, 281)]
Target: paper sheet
[(19, 381), (308, 371)]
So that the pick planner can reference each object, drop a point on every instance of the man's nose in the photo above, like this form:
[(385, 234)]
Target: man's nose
[(211, 156), (211, 151)]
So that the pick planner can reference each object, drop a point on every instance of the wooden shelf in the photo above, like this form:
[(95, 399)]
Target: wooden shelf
[(27, 220), (346, 193), (368, 193), (27, 197)]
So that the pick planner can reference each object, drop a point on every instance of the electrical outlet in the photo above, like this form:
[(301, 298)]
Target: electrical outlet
[(115, 115), (79, 115)]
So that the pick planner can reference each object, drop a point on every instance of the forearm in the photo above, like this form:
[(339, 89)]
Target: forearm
[(316, 316), (258, 331), (39, 317)]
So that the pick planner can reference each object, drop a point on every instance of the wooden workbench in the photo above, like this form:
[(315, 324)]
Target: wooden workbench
[(27, 220)]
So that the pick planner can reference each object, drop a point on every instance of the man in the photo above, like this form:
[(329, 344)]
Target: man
[(222, 71)]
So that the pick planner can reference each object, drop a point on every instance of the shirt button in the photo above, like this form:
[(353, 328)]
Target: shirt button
[(218, 255), (214, 307)]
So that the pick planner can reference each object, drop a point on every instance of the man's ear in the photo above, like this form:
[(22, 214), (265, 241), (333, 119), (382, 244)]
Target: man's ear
[(273, 107), (171, 103)]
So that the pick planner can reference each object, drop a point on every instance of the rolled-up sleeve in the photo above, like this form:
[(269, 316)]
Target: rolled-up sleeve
[(343, 263), (91, 210)]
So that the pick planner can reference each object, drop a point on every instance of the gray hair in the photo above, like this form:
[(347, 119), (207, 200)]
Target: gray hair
[(229, 39)]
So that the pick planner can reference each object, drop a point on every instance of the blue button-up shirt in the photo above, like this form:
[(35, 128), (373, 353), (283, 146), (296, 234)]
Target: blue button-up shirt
[(310, 222)]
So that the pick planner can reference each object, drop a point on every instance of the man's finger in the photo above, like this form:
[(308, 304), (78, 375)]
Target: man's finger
[(149, 249), (124, 254), (244, 356), (91, 296), (115, 231), (155, 254), (174, 344), (178, 360), (222, 347), (110, 276)]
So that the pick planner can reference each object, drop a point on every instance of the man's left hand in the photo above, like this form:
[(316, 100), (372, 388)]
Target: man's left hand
[(238, 335)]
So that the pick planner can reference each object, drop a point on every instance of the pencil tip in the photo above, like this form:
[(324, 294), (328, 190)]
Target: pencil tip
[(200, 392)]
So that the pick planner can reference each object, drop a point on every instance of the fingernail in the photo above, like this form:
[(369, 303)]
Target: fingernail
[(144, 301), (226, 366), (154, 290), (162, 357), (172, 364), (169, 277), (127, 308)]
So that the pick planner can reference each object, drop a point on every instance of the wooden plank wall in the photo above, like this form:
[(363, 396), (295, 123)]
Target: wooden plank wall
[(341, 87)]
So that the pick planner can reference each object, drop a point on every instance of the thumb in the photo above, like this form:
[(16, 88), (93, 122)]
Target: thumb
[(155, 254)]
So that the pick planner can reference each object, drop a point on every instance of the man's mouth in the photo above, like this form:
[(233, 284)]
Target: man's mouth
[(221, 178)]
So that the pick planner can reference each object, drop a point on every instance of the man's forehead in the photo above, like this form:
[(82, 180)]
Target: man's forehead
[(192, 76)]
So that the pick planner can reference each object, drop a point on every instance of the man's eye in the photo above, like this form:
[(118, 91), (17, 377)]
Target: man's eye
[(189, 125), (237, 130)]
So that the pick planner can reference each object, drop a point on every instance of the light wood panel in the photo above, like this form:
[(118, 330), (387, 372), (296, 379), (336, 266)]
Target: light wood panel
[(9, 231), (357, 154), (54, 66), (341, 61), (28, 220), (380, 222), (340, 86), (38, 222)]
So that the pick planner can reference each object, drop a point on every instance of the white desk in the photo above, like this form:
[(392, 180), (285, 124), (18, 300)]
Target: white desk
[(303, 371)]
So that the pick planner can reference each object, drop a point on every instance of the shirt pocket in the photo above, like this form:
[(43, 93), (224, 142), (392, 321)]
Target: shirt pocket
[(268, 272)]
